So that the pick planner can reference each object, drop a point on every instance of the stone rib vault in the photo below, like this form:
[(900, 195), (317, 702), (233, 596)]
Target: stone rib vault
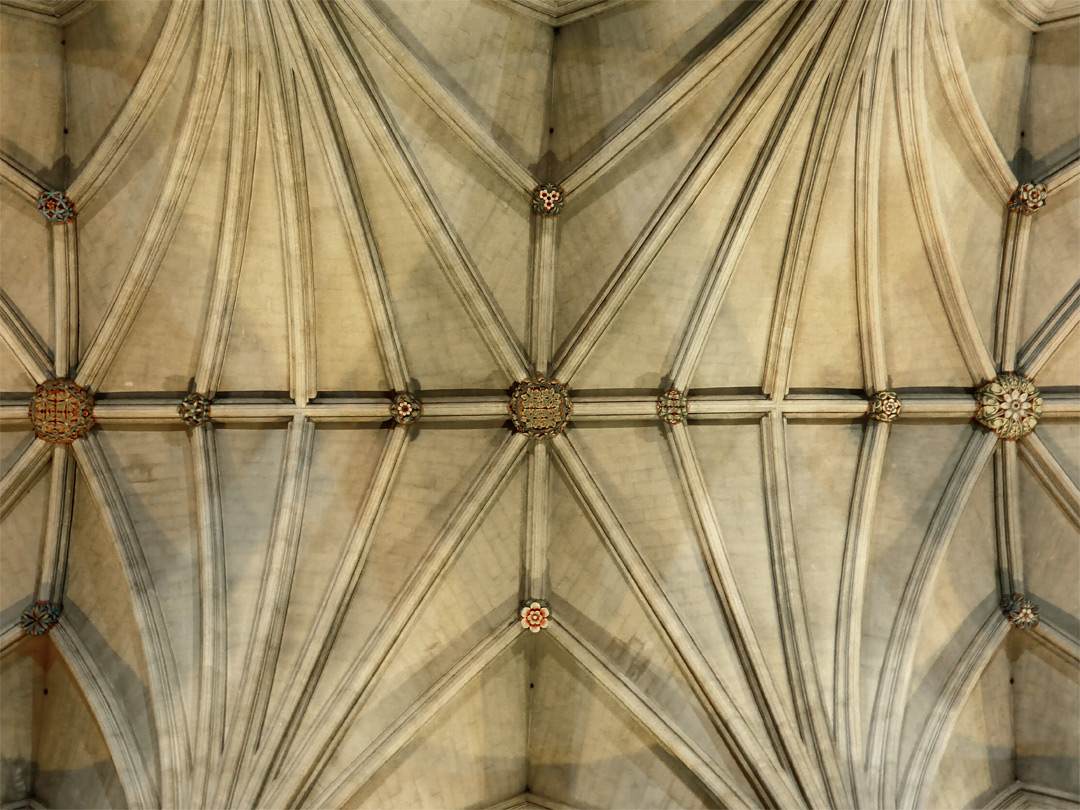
[(540, 404)]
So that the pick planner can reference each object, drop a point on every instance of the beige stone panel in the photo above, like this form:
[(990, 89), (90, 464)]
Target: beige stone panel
[(105, 52), (1062, 439), (635, 468), (609, 66), (154, 475), (599, 225), (735, 351), (495, 61), (826, 350), (919, 461), (1046, 711), (590, 592), (26, 273), (995, 47), (638, 348), (20, 679), (98, 608), (920, 348), (74, 768), (21, 533), (470, 754), (732, 465), (13, 377), (822, 459), (438, 467), (964, 592), (477, 595), (619, 204), (1052, 265), (257, 357), (1051, 553), (113, 222), (347, 351), (978, 758), (14, 439), (32, 85), (442, 346), (162, 348), (249, 464), (622, 201), (1052, 116), (1063, 367), (344, 459), (974, 217), (587, 751), (492, 219)]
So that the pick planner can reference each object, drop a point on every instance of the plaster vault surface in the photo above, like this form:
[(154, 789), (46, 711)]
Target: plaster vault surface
[(267, 541)]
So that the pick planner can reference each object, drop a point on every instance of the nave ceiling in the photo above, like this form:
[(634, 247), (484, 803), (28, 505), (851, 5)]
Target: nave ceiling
[(300, 210)]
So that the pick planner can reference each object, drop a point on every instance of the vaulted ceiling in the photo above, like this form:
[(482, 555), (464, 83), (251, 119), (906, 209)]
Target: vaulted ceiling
[(300, 209)]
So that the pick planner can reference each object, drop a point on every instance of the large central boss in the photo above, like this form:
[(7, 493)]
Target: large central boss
[(540, 408)]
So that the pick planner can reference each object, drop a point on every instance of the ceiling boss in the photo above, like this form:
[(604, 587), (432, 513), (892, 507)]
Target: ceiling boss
[(1009, 405), (61, 411), (540, 408)]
